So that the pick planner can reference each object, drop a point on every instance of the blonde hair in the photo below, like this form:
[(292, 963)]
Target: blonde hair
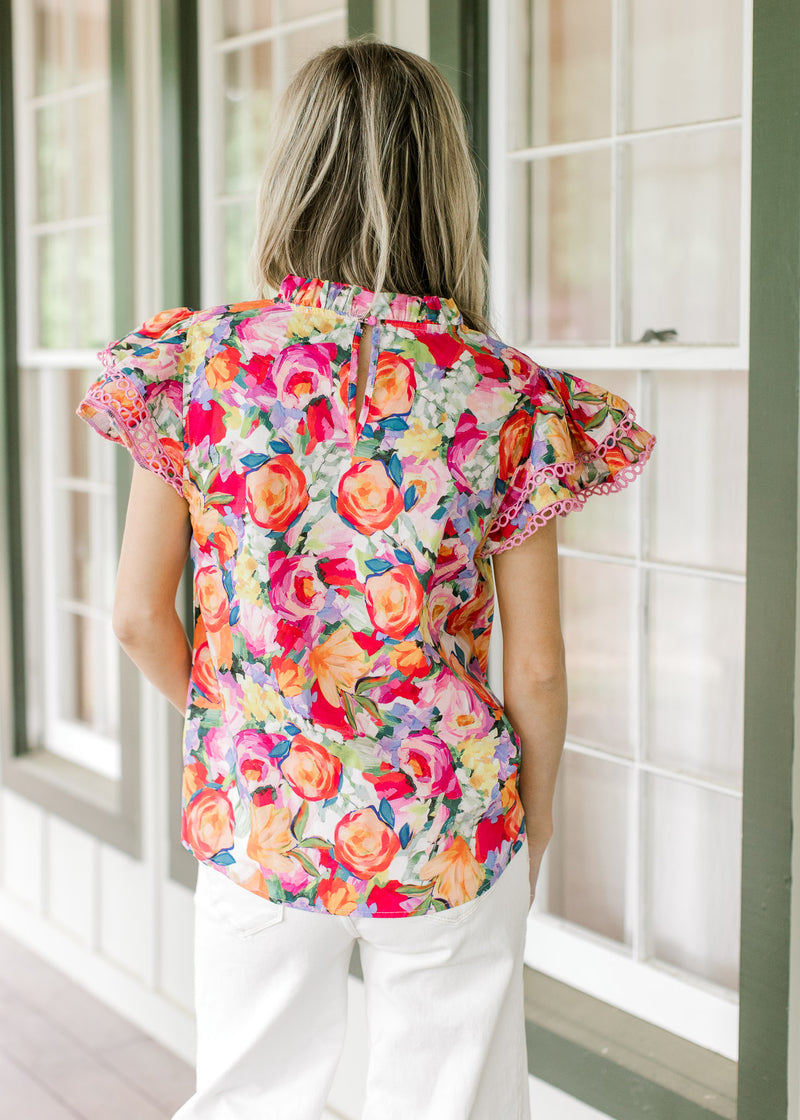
[(369, 180)]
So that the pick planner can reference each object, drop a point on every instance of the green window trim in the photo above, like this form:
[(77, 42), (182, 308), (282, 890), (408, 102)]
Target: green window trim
[(107, 809)]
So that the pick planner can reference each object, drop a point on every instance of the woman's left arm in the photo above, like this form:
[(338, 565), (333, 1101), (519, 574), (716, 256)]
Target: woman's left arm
[(155, 545)]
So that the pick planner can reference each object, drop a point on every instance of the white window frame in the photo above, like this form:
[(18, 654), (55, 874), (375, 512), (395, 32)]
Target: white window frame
[(70, 739), (689, 1006), (212, 201)]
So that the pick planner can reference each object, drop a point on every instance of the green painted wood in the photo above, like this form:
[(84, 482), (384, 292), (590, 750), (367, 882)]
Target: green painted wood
[(459, 46), (180, 154), (13, 690), (181, 286), (771, 610), (360, 18)]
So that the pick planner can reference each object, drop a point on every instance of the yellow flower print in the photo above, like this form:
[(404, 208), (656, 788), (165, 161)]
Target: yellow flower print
[(302, 323), (261, 703), (477, 755), (456, 872), (420, 440), (270, 838)]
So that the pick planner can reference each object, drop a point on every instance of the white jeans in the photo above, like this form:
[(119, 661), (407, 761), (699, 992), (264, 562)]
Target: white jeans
[(444, 1001)]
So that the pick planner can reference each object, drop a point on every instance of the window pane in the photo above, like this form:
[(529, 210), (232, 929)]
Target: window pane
[(682, 232), (694, 875), (588, 852), (598, 604), (50, 28), (91, 40), (696, 662), (238, 231), (563, 71), (53, 162), (248, 104), (93, 268), (561, 267), (698, 477), (79, 656), (93, 159), (55, 305), (241, 16), (292, 50), (75, 566), (74, 462), (607, 525), (685, 61)]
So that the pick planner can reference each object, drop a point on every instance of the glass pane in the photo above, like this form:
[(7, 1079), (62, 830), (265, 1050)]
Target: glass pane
[(563, 73), (56, 328), (238, 231), (560, 254), (598, 609), (74, 461), (696, 669), (588, 851), (292, 50), (685, 61), (607, 523), (682, 235), (248, 103), (76, 678), (93, 267), (694, 876), (50, 51), (698, 476), (53, 162), (92, 160), (75, 569), (241, 16), (91, 40)]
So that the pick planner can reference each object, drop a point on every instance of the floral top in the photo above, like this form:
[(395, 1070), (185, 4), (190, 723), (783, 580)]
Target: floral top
[(342, 750)]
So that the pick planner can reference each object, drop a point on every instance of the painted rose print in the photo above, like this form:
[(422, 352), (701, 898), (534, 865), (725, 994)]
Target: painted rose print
[(342, 749)]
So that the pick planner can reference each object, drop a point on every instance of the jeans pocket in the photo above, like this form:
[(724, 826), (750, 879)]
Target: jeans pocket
[(237, 909), (453, 915)]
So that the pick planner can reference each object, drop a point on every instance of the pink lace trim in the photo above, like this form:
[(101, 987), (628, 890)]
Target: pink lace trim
[(561, 506), (125, 420)]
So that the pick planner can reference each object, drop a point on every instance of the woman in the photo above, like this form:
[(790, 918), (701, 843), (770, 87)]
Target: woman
[(343, 459)]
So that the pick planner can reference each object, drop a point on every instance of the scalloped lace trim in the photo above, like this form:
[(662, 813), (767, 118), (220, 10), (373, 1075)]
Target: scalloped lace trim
[(130, 430), (561, 506)]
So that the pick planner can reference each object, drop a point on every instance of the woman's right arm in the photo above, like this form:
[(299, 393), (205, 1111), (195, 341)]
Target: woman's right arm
[(534, 675)]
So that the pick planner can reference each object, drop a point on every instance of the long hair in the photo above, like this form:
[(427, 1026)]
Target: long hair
[(369, 180)]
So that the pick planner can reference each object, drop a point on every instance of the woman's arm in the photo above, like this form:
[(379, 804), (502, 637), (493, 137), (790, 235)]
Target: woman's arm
[(155, 545), (534, 674)]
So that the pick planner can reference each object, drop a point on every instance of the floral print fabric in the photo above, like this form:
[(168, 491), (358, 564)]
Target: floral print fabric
[(342, 750)]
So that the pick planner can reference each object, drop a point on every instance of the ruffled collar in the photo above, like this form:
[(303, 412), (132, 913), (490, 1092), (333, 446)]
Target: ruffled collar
[(350, 299)]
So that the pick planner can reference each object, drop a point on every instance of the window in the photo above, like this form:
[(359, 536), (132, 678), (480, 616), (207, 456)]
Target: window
[(619, 244), (62, 98), (249, 51)]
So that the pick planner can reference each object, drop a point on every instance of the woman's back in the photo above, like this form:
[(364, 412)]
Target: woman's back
[(342, 749)]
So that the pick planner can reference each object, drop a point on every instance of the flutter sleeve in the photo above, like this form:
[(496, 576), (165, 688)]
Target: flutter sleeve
[(566, 440), (137, 401)]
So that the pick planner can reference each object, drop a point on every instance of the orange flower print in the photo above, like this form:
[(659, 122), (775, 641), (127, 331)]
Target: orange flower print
[(615, 459), (276, 493), (311, 770), (207, 823), (516, 438), (338, 663), (271, 838), (223, 367), (213, 597), (456, 873), (161, 323), (368, 499), (337, 896), (364, 844), (393, 390), (394, 599)]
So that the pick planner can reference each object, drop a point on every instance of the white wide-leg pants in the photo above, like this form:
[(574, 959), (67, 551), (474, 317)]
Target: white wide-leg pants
[(444, 1002)]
